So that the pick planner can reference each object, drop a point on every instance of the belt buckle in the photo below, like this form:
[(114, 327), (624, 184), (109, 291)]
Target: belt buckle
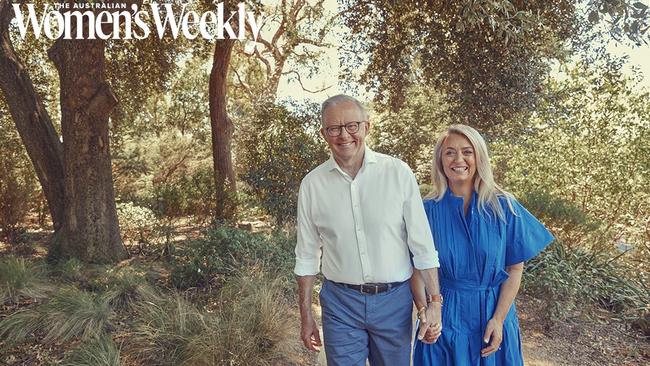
[(375, 290)]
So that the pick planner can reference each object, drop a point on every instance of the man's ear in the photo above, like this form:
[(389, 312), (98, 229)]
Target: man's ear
[(322, 133), (368, 127)]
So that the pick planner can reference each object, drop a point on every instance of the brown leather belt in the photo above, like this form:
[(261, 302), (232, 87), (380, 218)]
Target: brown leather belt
[(371, 288)]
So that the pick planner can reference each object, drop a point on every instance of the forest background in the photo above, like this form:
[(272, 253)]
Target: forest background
[(148, 187)]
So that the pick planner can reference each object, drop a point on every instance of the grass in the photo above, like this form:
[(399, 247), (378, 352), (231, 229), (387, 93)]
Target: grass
[(573, 280), (253, 324), (70, 270), (248, 325), (21, 279), (69, 313), (97, 352), (127, 287), (165, 330)]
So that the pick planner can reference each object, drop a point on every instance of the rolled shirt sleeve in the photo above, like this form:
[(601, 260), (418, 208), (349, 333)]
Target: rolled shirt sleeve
[(308, 246), (419, 237)]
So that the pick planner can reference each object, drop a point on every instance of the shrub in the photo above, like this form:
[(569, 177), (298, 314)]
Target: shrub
[(189, 194), (224, 250), (97, 352), (557, 211), (17, 191), (280, 148), (21, 279), (136, 223), (571, 280), (69, 313)]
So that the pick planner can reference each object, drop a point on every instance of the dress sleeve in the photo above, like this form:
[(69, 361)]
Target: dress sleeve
[(525, 235)]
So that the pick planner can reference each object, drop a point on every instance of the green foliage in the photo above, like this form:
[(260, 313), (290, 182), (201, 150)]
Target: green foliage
[(224, 250), (557, 212), (18, 184), (68, 314), (21, 279), (186, 195), (410, 134), (570, 280), (488, 58), (169, 174), (585, 146), (137, 223), (278, 150), (97, 352)]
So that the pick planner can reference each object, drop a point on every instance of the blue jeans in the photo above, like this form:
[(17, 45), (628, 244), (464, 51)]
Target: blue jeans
[(357, 327)]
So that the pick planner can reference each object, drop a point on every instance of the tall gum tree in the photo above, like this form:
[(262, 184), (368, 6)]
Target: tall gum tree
[(222, 132), (32, 120), (90, 230)]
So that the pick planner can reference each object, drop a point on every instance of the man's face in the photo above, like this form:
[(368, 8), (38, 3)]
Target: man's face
[(345, 147)]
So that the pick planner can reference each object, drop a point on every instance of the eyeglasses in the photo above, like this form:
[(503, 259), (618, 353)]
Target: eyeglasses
[(351, 127)]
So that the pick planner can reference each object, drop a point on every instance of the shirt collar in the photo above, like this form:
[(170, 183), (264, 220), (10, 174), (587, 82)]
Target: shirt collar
[(369, 157)]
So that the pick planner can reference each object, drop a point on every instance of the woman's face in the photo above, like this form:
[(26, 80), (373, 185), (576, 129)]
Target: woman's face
[(458, 160)]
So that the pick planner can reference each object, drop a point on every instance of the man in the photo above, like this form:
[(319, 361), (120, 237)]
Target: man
[(363, 210)]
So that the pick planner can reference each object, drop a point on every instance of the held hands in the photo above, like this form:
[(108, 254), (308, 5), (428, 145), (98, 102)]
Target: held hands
[(493, 336), (430, 323), (310, 335)]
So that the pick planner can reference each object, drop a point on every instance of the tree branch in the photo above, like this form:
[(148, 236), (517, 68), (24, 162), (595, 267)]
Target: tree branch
[(242, 84), (302, 85)]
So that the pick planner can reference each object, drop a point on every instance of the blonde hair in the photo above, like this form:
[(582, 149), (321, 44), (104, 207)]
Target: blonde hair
[(484, 185)]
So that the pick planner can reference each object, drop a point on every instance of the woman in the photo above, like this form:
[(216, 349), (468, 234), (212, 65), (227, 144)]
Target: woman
[(483, 236)]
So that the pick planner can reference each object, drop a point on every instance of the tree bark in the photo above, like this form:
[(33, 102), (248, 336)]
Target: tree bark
[(32, 120), (90, 231), (222, 131)]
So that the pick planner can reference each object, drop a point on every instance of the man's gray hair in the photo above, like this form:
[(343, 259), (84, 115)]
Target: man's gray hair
[(340, 99)]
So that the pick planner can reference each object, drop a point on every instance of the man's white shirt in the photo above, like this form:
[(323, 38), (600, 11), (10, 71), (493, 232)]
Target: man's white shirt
[(364, 226)]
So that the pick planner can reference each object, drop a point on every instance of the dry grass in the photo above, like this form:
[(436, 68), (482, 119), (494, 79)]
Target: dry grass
[(247, 325), (21, 279)]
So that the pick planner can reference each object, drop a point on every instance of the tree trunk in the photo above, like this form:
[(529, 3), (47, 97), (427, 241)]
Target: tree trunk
[(222, 131), (32, 120), (90, 231)]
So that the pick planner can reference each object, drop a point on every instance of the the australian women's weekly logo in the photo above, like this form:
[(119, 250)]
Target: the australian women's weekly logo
[(104, 20)]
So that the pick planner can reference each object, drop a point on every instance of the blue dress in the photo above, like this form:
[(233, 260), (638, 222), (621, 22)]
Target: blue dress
[(474, 249)]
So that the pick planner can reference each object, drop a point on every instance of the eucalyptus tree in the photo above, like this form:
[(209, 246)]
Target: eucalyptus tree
[(292, 33), (78, 169), (487, 57)]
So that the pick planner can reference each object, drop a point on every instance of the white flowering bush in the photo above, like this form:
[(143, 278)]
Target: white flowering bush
[(138, 224)]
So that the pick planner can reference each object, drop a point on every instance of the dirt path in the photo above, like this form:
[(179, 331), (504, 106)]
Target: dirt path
[(581, 343)]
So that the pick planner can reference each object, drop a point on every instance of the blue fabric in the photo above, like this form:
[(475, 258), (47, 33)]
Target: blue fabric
[(474, 249), (357, 327)]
